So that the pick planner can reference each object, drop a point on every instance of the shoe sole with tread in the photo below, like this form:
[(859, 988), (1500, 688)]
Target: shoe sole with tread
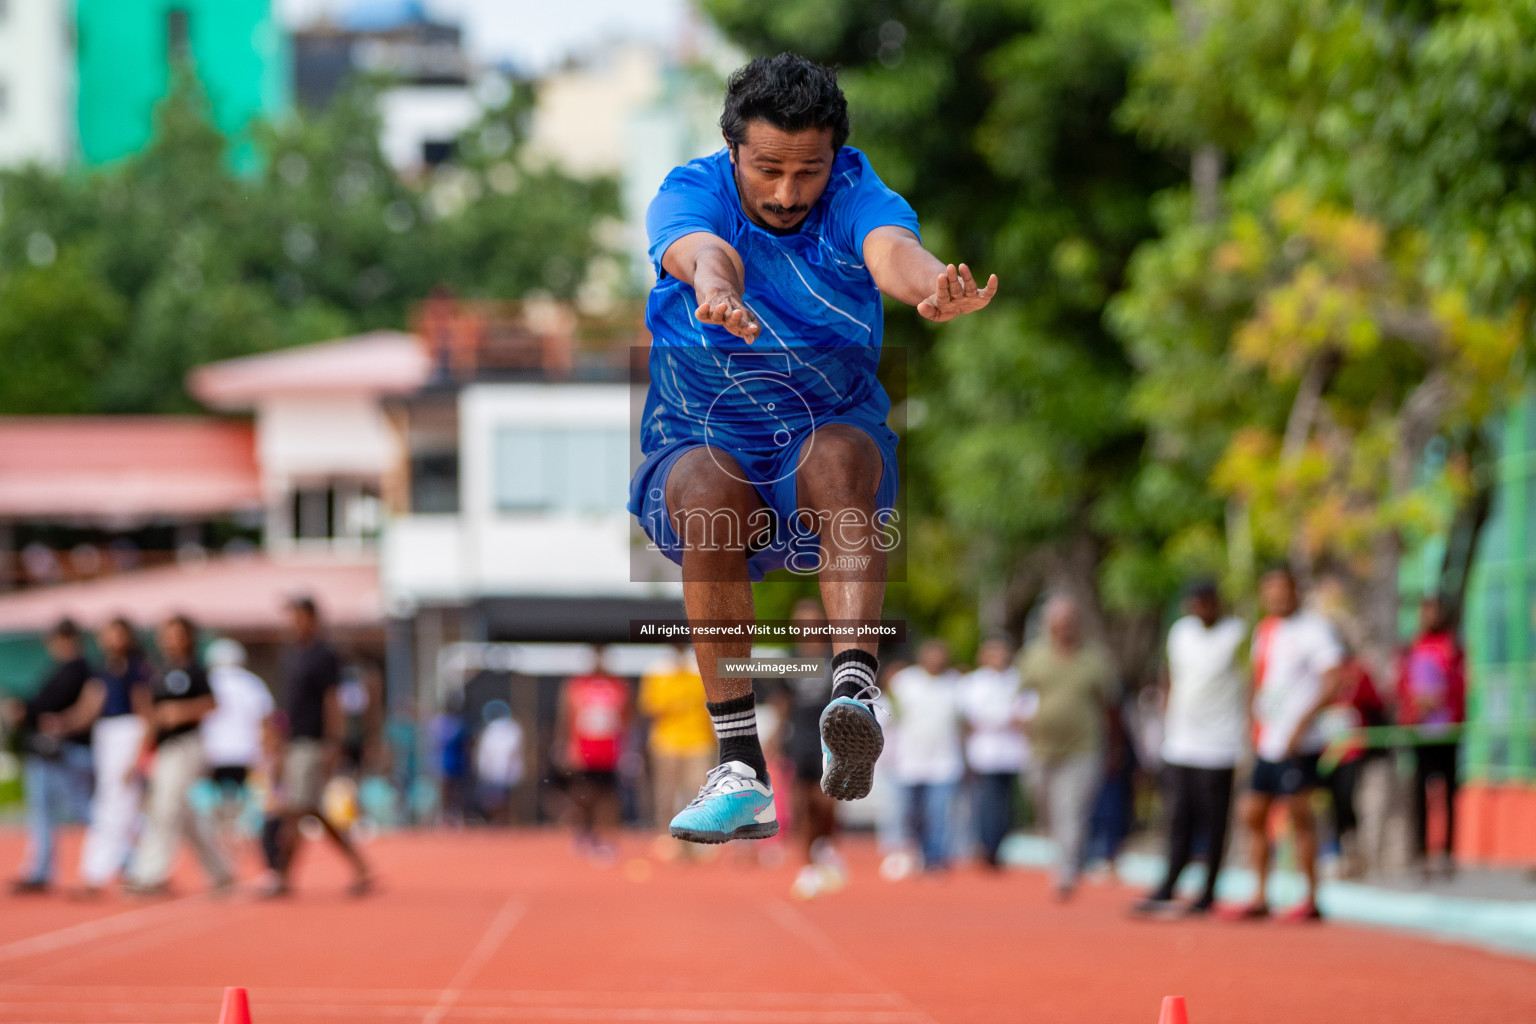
[(756, 830), (854, 740)]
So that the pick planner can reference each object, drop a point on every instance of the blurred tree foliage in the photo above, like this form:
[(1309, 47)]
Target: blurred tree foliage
[(995, 118), (114, 284), (1332, 210), (1356, 303)]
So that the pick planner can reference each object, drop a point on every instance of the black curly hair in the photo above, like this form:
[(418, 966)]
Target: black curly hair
[(789, 92)]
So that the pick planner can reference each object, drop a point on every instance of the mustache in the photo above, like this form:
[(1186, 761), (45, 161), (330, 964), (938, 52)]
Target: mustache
[(785, 211)]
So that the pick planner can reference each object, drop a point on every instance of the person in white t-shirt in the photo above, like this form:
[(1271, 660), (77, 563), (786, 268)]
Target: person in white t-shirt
[(996, 750), (232, 732), (1205, 722), (1302, 658), (498, 762), (925, 700)]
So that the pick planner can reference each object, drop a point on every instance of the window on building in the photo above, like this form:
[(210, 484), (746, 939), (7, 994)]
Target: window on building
[(336, 510), (178, 33), (561, 469), (436, 151), (435, 482), (312, 513)]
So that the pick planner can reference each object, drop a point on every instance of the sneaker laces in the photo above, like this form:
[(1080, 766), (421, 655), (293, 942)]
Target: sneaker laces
[(868, 697), (719, 780)]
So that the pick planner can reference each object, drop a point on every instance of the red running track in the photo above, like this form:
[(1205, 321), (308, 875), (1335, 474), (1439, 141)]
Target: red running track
[(514, 927)]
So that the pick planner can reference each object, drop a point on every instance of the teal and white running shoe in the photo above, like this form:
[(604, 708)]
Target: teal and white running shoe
[(734, 804), (851, 741)]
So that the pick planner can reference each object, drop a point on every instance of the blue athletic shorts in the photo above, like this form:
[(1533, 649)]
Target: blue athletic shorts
[(1286, 778), (772, 474)]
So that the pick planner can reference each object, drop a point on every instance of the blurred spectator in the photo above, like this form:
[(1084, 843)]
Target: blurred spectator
[(1301, 677), (925, 701), (117, 703), (1114, 806), (355, 701), (681, 739), (313, 744), (1204, 724), (594, 711), (498, 762), (448, 736), (804, 699), (54, 760), (232, 733), (1358, 705), (400, 742), (1076, 684), (181, 698), (996, 750), (269, 777), (1432, 695), (888, 793)]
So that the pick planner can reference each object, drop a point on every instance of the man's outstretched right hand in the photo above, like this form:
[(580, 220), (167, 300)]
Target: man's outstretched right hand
[(726, 310)]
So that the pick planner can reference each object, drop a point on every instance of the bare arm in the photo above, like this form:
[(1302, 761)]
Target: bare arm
[(172, 713), (333, 719), (714, 269), (78, 715), (908, 273), (1333, 685)]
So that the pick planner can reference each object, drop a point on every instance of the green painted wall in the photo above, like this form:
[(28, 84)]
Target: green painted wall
[(236, 46), (1501, 615), (23, 662)]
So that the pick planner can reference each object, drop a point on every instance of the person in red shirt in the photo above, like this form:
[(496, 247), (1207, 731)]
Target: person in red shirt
[(1432, 695), (1359, 705), (594, 716)]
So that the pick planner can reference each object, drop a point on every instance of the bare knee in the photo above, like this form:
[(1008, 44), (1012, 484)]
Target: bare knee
[(713, 508), (840, 468)]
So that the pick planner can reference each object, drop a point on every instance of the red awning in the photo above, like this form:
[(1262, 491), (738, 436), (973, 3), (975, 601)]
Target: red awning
[(235, 593), (125, 468)]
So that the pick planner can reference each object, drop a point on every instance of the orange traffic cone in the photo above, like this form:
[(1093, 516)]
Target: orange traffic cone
[(1173, 1011), (237, 1008)]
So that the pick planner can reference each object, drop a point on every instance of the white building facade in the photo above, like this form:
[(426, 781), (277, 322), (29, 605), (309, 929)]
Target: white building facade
[(327, 452), (37, 82), (543, 477)]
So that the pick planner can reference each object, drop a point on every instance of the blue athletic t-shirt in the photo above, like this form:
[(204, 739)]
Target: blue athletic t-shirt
[(817, 306), (120, 685)]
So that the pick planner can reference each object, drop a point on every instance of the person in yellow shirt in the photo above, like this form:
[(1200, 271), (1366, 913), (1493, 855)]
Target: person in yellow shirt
[(682, 737)]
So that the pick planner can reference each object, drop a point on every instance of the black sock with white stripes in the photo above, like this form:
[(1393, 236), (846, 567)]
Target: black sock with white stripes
[(736, 726), (853, 670)]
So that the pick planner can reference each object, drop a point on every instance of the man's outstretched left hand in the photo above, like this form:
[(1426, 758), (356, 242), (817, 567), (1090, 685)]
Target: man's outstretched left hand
[(955, 293)]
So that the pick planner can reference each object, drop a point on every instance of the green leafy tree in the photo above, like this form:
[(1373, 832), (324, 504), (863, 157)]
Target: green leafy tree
[(177, 260), (1352, 294), (55, 322)]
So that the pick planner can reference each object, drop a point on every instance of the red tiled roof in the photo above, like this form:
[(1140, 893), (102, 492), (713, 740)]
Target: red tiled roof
[(377, 363), (236, 593), (119, 468)]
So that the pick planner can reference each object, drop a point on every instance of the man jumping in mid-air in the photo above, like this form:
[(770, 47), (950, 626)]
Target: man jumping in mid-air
[(764, 428)]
